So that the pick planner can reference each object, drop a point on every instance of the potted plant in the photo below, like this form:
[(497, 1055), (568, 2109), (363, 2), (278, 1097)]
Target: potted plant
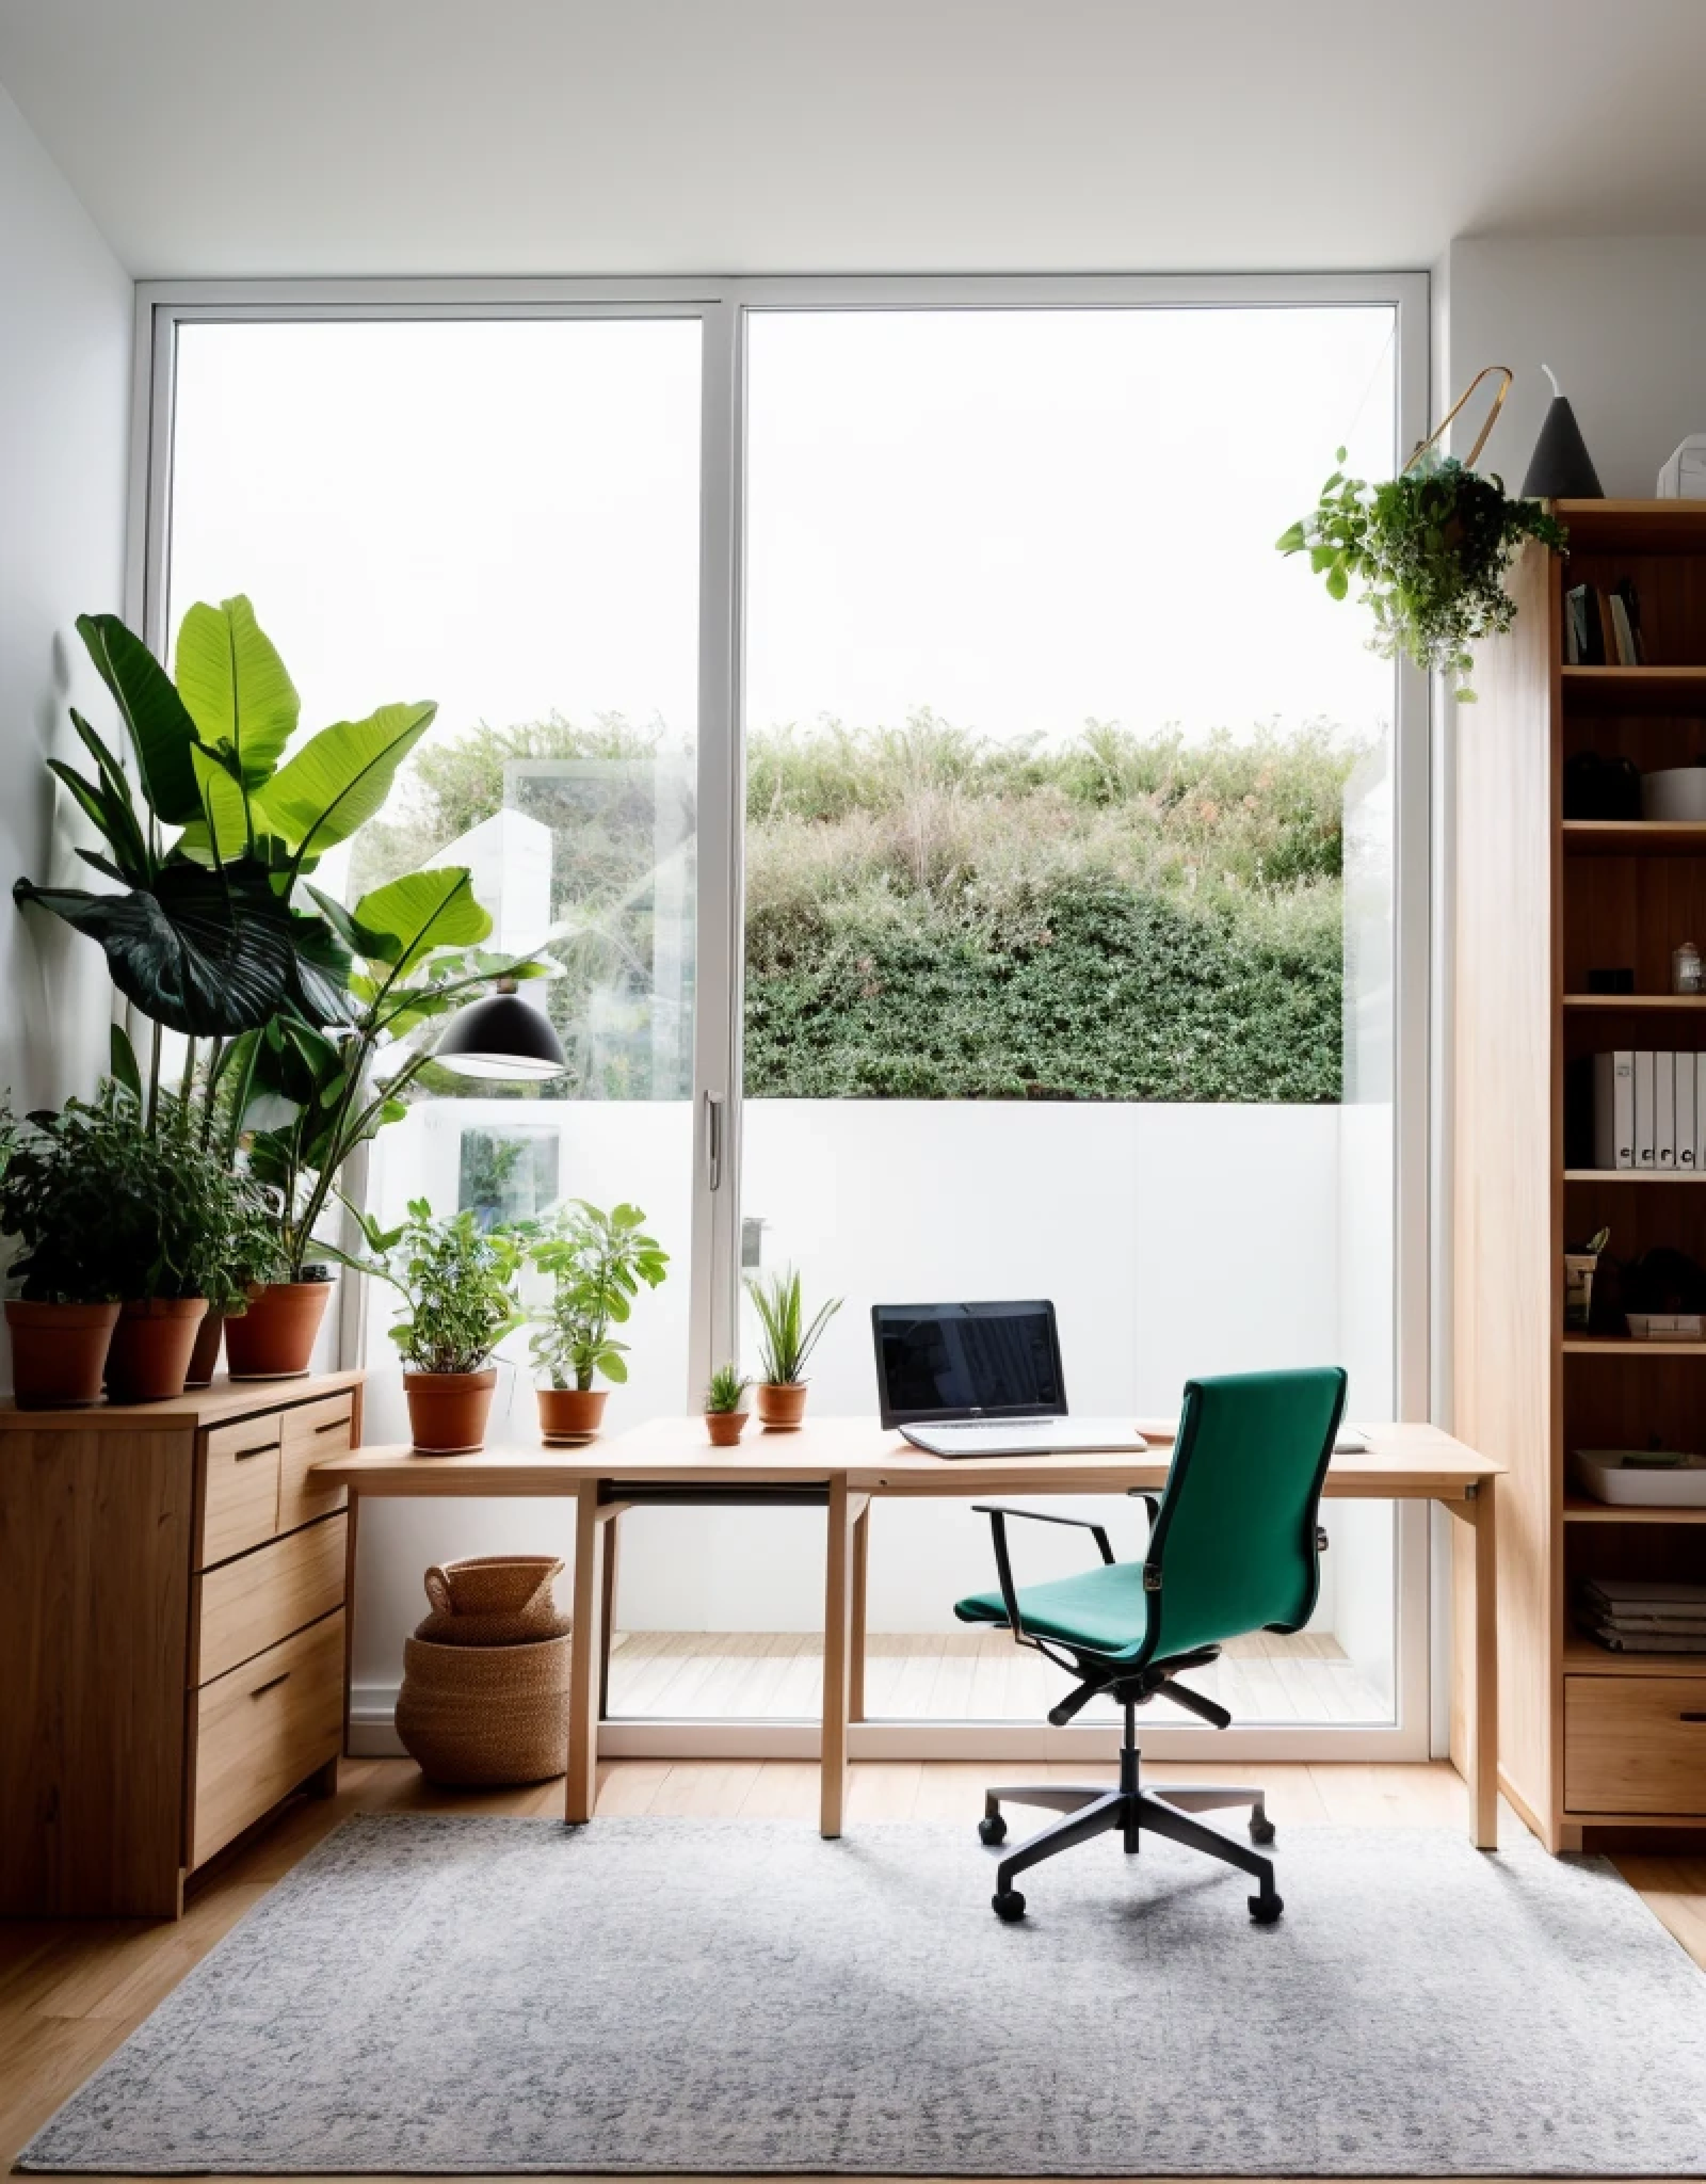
[(1431, 548), (595, 1262), (457, 1282), (58, 1208), (112, 1201), (725, 1421), (786, 1340)]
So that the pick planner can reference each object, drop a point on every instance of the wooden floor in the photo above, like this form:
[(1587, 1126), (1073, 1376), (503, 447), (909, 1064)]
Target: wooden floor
[(69, 1993), (959, 1676)]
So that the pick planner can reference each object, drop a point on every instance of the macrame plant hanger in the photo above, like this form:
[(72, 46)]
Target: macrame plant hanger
[(1486, 372)]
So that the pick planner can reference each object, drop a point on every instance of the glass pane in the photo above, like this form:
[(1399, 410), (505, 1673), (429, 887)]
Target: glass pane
[(1070, 921), (502, 517)]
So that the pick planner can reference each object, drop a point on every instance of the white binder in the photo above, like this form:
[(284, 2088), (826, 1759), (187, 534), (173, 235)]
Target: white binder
[(1688, 1120), (1643, 1109), (1614, 1109), (1664, 1112)]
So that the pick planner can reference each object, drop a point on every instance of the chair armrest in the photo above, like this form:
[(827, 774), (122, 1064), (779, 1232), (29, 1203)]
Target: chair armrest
[(998, 1513), (1150, 1502), (1097, 1532)]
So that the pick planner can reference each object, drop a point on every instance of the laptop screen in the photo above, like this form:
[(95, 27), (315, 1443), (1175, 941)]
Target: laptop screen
[(962, 1361)]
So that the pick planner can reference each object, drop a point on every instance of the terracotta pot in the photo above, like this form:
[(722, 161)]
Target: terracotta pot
[(724, 1427), (58, 1353), (448, 1411), (568, 1415), (274, 1339), (204, 1357), (151, 1348), (781, 1405)]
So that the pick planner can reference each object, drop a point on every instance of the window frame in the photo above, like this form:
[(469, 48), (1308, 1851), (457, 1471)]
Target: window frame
[(723, 308)]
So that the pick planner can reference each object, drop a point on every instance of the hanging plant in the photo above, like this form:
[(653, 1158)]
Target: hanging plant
[(1431, 548)]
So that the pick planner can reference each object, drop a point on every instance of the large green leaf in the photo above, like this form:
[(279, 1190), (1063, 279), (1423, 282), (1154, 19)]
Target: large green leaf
[(162, 733), (340, 777), (204, 953), (405, 919), (235, 687)]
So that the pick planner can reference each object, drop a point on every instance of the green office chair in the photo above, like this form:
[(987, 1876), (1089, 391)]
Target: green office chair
[(1234, 1544)]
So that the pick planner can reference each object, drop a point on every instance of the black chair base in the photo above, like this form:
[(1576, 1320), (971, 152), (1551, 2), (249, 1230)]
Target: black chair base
[(1129, 1811)]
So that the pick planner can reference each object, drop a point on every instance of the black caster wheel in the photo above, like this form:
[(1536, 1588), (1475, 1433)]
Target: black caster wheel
[(1262, 1828), (1007, 1904), (1263, 1909), (992, 1829)]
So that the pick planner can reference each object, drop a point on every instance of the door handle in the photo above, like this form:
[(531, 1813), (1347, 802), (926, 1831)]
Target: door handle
[(713, 1141)]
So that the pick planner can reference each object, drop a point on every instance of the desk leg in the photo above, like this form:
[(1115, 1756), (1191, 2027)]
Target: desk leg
[(585, 1655), (607, 1613), (1483, 1737), (855, 1661), (845, 1510)]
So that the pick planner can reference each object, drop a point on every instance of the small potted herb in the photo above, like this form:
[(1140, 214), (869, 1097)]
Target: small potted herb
[(595, 1262), (457, 1285), (786, 1340), (58, 1207), (725, 1421)]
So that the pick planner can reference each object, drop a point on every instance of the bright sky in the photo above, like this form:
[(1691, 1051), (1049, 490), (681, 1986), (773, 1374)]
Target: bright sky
[(1020, 519)]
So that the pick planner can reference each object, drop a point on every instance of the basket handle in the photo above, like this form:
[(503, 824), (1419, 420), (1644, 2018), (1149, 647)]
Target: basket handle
[(1506, 376), (438, 1589)]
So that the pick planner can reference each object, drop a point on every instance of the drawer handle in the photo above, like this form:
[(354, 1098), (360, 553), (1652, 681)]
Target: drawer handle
[(261, 1692), (334, 1425), (260, 1448), (1697, 1715)]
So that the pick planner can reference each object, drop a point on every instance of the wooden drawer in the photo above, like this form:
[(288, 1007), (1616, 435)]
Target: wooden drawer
[(240, 1488), (262, 1728), (310, 1434), (246, 1606), (1635, 1744)]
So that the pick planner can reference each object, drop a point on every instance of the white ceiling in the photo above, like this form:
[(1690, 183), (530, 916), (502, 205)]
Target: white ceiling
[(347, 136)]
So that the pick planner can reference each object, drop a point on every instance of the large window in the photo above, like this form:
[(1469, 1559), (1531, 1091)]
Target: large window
[(942, 806)]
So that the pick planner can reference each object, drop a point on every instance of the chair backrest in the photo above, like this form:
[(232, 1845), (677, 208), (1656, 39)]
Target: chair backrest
[(1234, 1542)]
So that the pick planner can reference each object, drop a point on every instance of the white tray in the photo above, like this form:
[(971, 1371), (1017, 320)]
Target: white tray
[(1603, 1474)]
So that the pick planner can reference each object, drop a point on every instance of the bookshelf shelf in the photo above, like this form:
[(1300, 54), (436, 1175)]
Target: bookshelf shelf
[(1625, 1346), (1582, 1656), (1635, 526), (1581, 1509), (1628, 837), (1643, 1002), (1636, 690), (1633, 1175)]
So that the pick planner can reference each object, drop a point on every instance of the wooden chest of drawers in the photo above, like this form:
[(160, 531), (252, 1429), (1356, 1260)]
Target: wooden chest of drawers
[(178, 1591)]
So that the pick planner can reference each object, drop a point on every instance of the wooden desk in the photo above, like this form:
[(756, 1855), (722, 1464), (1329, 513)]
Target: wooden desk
[(840, 1465)]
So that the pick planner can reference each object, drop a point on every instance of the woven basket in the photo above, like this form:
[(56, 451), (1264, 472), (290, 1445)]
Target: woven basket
[(485, 1715), (492, 1600)]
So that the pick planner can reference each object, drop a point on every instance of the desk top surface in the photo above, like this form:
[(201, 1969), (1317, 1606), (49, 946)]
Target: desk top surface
[(1402, 1461)]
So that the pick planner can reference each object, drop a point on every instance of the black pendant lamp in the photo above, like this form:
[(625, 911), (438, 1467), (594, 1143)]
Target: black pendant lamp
[(1560, 468), (502, 1038)]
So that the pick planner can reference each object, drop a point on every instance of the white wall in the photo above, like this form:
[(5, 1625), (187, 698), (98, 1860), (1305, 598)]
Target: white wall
[(1620, 319), (1173, 1240), (64, 365)]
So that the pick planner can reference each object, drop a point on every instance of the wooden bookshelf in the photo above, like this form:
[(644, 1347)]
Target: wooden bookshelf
[(1541, 901)]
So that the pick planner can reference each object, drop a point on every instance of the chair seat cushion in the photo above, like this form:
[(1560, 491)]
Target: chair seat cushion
[(1104, 1609)]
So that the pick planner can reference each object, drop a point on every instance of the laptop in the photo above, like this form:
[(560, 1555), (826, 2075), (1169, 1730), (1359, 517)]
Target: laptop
[(983, 1379)]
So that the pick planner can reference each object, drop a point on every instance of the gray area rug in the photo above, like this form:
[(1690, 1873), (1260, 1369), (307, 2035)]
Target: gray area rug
[(441, 1994)]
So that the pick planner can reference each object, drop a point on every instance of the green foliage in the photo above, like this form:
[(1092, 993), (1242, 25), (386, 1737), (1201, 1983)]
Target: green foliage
[(595, 1262), (727, 1391), (786, 1338), (1431, 548), (106, 1206), (457, 1283), (311, 1095), (205, 936)]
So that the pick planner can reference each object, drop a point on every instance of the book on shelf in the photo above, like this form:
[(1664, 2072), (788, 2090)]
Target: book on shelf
[(1648, 1111), (1602, 626)]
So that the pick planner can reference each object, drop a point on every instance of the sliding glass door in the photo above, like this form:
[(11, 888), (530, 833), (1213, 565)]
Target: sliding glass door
[(973, 864)]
